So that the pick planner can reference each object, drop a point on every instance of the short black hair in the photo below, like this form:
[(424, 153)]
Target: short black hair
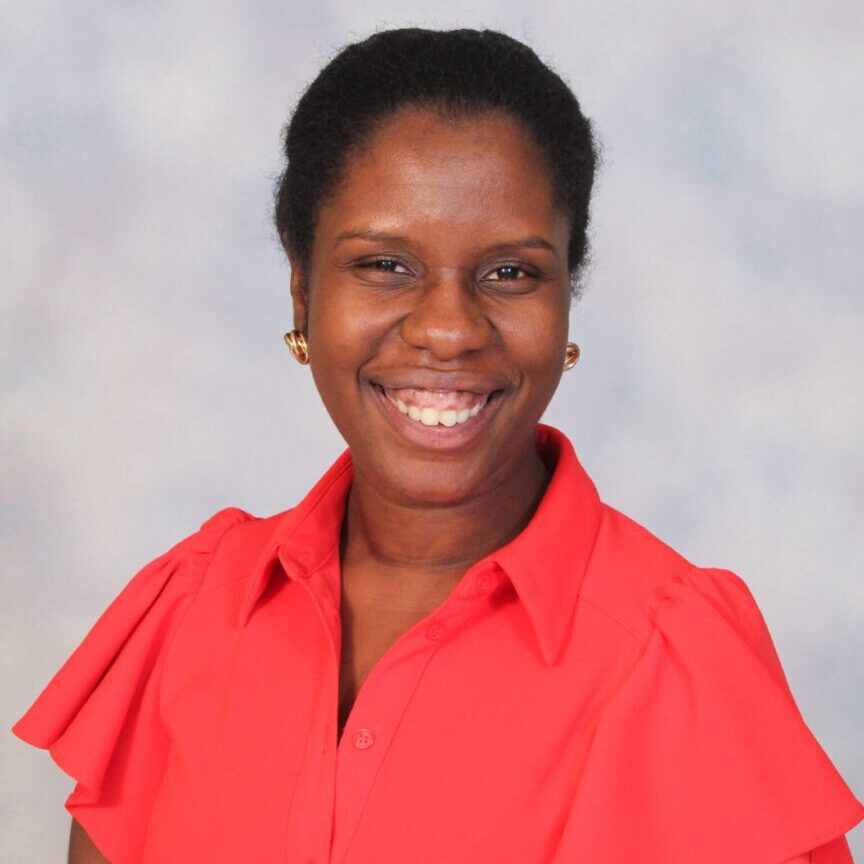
[(457, 73)]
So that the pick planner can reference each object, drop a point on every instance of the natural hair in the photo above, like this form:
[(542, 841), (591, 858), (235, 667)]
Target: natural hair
[(456, 73)]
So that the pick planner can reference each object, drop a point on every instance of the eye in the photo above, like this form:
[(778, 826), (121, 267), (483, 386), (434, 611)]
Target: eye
[(384, 265), (506, 273)]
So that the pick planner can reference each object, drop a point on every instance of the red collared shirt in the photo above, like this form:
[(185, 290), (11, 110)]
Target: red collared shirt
[(584, 694)]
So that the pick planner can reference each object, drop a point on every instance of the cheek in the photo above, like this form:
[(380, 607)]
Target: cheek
[(337, 329), (345, 333), (535, 340), (330, 350)]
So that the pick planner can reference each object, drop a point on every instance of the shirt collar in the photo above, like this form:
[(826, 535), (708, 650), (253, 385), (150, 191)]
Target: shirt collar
[(545, 562)]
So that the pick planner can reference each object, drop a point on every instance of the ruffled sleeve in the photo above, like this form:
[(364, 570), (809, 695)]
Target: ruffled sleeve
[(99, 717), (701, 754)]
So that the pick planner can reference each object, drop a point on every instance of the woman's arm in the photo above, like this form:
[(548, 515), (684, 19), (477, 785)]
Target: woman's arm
[(81, 848)]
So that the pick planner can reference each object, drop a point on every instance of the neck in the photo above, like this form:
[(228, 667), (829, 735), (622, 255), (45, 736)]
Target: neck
[(388, 539)]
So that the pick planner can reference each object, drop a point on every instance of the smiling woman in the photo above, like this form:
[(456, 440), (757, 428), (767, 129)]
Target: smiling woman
[(464, 315), (451, 650)]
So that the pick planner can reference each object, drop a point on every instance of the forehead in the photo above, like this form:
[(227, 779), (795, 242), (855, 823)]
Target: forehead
[(419, 169)]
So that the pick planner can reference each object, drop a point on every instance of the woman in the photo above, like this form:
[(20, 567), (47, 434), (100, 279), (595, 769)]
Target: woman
[(450, 650)]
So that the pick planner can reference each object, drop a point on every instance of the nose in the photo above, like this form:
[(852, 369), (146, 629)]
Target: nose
[(447, 318)]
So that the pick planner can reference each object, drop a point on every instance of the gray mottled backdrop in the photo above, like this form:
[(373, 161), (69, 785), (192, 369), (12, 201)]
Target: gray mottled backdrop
[(145, 383)]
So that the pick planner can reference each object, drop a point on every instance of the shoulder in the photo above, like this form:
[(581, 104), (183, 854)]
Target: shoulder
[(635, 577), (628, 570), (182, 568), (192, 553), (650, 589), (702, 722), (242, 539)]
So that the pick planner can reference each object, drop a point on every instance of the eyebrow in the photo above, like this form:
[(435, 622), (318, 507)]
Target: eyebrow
[(532, 241)]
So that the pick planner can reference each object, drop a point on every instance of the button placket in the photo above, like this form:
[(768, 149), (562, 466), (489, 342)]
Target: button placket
[(485, 582), (435, 631), (363, 738), (380, 705)]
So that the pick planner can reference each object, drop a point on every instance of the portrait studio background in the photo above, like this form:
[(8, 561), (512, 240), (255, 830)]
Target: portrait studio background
[(146, 384)]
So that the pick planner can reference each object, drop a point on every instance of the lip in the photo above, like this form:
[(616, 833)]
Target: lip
[(432, 379), (441, 438)]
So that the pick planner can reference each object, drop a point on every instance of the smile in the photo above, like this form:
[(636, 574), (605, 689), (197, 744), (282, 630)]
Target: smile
[(440, 419), (434, 407)]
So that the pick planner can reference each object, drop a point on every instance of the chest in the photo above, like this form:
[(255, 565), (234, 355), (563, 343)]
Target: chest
[(366, 636), (446, 715)]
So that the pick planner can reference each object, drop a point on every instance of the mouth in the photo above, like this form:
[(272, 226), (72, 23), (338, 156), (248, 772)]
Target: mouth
[(437, 419)]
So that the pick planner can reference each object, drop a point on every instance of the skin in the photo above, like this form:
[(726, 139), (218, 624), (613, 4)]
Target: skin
[(81, 848), (417, 519), (452, 298)]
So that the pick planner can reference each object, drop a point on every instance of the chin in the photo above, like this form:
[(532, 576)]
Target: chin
[(427, 479)]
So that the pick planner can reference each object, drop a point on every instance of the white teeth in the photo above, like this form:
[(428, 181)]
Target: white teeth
[(434, 417)]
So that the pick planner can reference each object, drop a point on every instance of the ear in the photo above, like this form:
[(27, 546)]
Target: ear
[(299, 291)]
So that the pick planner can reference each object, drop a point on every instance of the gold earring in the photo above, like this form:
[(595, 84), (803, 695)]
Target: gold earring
[(571, 355), (296, 341)]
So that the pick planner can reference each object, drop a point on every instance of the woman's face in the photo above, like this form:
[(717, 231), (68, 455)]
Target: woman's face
[(438, 276)]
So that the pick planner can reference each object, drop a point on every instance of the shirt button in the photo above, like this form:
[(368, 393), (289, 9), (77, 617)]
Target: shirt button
[(363, 739), (435, 631), (484, 583)]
